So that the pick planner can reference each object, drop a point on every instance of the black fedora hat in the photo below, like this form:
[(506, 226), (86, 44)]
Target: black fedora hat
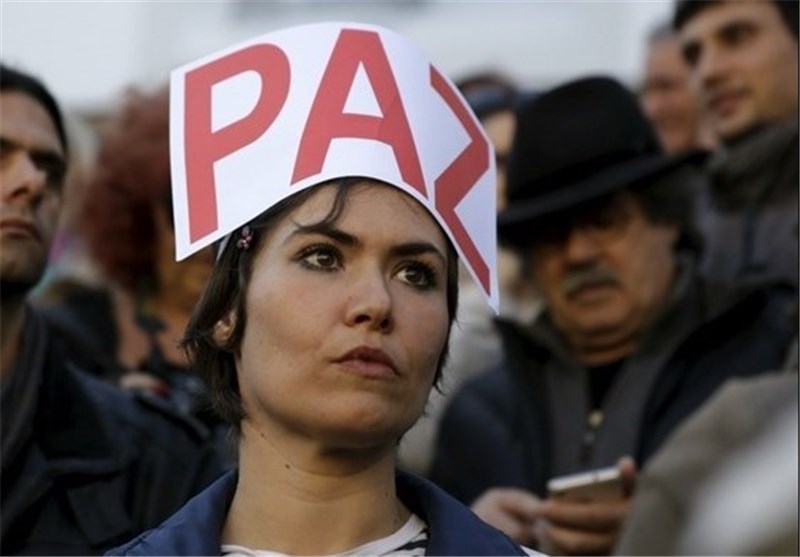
[(576, 143)]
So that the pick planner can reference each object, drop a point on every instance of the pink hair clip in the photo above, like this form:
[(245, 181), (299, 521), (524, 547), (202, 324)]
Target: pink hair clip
[(245, 238)]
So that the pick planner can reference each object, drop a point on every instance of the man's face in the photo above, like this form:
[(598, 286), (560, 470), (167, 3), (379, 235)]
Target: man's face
[(744, 63), (33, 168), (667, 97), (604, 271)]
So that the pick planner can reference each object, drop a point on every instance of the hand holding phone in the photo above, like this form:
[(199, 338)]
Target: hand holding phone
[(603, 484)]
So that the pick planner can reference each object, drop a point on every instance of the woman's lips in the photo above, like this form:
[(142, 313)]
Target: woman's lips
[(368, 362)]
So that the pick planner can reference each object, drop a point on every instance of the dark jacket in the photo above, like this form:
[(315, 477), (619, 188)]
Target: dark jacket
[(749, 217), (196, 528), (85, 321), (529, 419), (86, 466)]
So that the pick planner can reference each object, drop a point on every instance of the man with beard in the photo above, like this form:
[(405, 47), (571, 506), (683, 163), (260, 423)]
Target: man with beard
[(632, 339), (84, 466)]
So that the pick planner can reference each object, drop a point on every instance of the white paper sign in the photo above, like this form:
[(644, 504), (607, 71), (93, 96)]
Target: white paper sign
[(260, 121)]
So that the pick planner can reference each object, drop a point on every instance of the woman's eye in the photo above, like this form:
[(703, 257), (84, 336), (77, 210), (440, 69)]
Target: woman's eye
[(418, 275), (325, 258)]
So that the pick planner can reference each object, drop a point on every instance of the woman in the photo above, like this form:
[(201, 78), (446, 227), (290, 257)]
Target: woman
[(322, 329), (321, 334)]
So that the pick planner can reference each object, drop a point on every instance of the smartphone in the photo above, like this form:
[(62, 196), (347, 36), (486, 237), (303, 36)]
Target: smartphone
[(603, 484)]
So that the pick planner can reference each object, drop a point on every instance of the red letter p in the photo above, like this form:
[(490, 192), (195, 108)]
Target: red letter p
[(203, 147)]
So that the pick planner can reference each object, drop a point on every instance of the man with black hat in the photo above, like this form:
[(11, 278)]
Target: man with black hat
[(84, 465), (632, 340), (743, 59)]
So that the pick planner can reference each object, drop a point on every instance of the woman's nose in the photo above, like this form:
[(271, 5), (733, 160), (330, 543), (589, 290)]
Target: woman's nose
[(370, 302)]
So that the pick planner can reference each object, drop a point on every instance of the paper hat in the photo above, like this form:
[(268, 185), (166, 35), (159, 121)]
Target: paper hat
[(260, 121)]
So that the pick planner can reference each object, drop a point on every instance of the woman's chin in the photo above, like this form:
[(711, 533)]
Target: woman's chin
[(364, 431)]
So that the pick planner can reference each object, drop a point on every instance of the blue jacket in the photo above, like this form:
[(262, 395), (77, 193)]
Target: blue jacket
[(195, 528)]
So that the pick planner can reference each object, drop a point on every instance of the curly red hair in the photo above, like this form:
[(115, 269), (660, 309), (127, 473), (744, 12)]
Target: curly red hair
[(131, 180)]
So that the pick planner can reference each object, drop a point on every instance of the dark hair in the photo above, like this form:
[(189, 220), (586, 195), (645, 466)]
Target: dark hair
[(687, 9), (131, 180), (662, 30), (488, 93), (670, 199), (225, 291), (16, 81)]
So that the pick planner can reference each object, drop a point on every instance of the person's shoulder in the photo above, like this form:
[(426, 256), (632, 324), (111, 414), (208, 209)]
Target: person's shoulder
[(146, 416), (480, 412), (529, 551), (759, 395), (490, 387), (193, 530), (454, 528), (755, 296)]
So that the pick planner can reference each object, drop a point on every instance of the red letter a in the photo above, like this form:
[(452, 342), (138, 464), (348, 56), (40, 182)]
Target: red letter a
[(327, 120)]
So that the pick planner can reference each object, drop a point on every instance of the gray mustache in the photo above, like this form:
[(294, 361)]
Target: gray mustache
[(580, 279)]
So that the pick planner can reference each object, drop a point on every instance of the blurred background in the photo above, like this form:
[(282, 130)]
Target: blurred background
[(88, 52)]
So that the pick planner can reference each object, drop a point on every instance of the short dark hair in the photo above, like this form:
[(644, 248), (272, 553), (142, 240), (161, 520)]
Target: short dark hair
[(687, 9), (489, 93), (12, 80), (662, 30), (225, 291), (670, 199)]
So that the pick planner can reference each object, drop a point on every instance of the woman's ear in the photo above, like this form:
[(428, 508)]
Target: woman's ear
[(223, 329)]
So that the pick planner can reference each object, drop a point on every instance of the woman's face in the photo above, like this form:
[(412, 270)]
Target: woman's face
[(345, 322)]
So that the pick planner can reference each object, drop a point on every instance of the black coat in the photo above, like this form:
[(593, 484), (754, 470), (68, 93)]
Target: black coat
[(521, 424), (90, 466)]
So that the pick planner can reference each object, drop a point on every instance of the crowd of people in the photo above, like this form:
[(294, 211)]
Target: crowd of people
[(353, 367)]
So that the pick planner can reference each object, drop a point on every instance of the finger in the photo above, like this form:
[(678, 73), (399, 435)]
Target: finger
[(137, 380), (592, 515), (629, 474), (558, 540), (520, 531), (520, 503), (517, 502)]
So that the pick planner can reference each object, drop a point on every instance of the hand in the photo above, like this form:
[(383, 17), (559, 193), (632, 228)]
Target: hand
[(585, 528), (137, 380), (510, 510)]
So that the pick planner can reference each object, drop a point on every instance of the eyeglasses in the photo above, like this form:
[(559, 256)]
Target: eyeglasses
[(601, 222)]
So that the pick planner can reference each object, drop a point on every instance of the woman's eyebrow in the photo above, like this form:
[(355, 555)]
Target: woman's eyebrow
[(418, 248), (402, 250), (324, 229)]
